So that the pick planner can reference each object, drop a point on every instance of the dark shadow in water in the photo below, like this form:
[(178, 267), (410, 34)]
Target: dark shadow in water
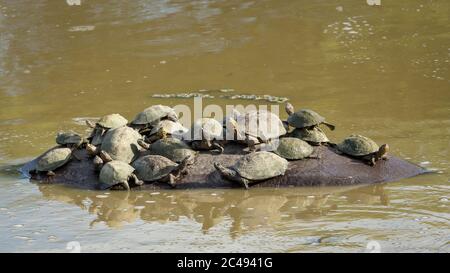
[(246, 210)]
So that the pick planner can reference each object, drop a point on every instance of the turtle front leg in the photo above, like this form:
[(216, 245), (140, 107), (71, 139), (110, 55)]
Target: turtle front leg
[(143, 144), (216, 148), (92, 150), (50, 173), (98, 163), (231, 175), (126, 185), (136, 180)]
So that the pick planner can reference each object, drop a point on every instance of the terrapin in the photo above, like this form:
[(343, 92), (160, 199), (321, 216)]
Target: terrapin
[(305, 118), (121, 144), (166, 128), (115, 174), (152, 168), (292, 148), (52, 159), (363, 148), (104, 124), (70, 140), (207, 132), (150, 116), (314, 136), (257, 127), (173, 148), (254, 167)]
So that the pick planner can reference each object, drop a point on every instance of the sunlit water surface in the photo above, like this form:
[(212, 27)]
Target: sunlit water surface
[(379, 71)]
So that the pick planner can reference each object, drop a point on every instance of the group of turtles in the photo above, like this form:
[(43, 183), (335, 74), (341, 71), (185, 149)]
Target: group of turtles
[(155, 146)]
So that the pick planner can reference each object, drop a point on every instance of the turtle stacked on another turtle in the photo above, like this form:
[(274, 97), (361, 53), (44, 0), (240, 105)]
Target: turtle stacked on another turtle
[(104, 124)]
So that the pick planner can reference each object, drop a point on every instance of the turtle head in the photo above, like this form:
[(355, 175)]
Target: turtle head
[(383, 151), (289, 108)]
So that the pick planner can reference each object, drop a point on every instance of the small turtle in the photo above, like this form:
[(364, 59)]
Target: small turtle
[(104, 124), (70, 140), (173, 148), (294, 149), (121, 144), (150, 116), (305, 118), (363, 148), (152, 168), (257, 127), (314, 136), (166, 128), (254, 167), (207, 132), (52, 159), (117, 174)]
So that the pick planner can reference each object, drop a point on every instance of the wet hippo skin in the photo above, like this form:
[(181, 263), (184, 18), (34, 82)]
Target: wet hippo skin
[(331, 169)]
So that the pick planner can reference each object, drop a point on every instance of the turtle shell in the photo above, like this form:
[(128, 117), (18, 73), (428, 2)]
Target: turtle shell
[(153, 114), (53, 159), (68, 138), (121, 143), (305, 118), (262, 124), (315, 135), (115, 172), (261, 165), (172, 148), (357, 145), (293, 148), (208, 128), (170, 127), (153, 167), (112, 121)]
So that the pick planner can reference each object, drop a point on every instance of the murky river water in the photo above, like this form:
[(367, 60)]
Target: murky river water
[(379, 71)]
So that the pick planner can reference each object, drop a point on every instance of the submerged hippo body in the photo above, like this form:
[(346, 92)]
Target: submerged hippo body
[(331, 169)]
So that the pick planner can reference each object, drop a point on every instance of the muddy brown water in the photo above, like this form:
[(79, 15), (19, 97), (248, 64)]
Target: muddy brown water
[(378, 71)]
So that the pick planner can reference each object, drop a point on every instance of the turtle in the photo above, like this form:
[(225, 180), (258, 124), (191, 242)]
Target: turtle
[(207, 134), (363, 148), (152, 168), (117, 174), (314, 136), (150, 116), (52, 159), (70, 139), (305, 118), (253, 167), (104, 124), (257, 127), (166, 128), (292, 148), (172, 148), (120, 143)]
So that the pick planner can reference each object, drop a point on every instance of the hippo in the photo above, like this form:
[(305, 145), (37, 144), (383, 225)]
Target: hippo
[(329, 169)]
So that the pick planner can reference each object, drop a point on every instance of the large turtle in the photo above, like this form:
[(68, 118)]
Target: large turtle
[(293, 149), (254, 167), (173, 148), (256, 127), (122, 144), (305, 118), (207, 133), (314, 136), (104, 124), (52, 159), (166, 128), (117, 174), (152, 168), (363, 148), (70, 139), (150, 116)]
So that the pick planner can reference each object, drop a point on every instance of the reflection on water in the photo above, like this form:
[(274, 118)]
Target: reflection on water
[(378, 71), (247, 210)]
